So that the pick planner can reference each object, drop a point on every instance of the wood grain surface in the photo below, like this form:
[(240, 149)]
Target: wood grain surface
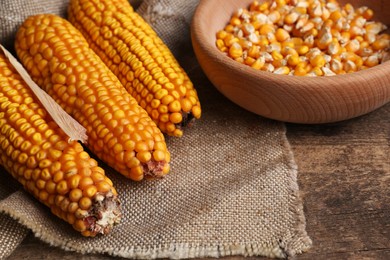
[(344, 177)]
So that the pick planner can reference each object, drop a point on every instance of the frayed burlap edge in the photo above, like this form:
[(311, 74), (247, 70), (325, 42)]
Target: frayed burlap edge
[(295, 241), (300, 242)]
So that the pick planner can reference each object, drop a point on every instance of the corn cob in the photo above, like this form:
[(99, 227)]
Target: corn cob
[(119, 131), (140, 59), (60, 174)]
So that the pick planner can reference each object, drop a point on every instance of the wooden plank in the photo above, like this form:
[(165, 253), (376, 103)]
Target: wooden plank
[(344, 176)]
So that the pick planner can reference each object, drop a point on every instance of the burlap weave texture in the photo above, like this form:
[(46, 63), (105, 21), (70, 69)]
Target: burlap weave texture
[(232, 189), (171, 19)]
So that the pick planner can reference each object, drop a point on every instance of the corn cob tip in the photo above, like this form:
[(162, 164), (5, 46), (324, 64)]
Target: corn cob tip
[(104, 214), (155, 169), (188, 120)]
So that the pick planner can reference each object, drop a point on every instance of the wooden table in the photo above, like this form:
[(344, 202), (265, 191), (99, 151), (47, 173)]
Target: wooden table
[(344, 176)]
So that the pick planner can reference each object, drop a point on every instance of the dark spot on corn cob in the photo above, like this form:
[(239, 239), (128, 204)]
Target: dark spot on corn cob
[(188, 119)]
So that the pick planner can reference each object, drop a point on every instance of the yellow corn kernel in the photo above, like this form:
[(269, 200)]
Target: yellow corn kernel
[(274, 16), (249, 61), (287, 44), (266, 29), (259, 63), (359, 38), (358, 21), (280, 3), (254, 52), (293, 60), (284, 70), (279, 63), (325, 13), (371, 61), (350, 66), (345, 56), (235, 21), (256, 24), (230, 39), (288, 51), (368, 14), (302, 50), (324, 40), (313, 31), (353, 46), (221, 45), (345, 37), (271, 37), (318, 61), (300, 10), (335, 15), (380, 44), (138, 48), (307, 28), (85, 203), (235, 51), (335, 33), (300, 71), (229, 28), (263, 6), (276, 55), (348, 8), (247, 28), (221, 34), (291, 18), (317, 71), (334, 47), (385, 36), (336, 66), (297, 41), (356, 31), (359, 62), (239, 59), (374, 28), (281, 35), (47, 183), (364, 44), (308, 67), (253, 5), (365, 51), (114, 114)]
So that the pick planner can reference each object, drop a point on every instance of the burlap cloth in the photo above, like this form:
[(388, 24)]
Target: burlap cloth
[(232, 189)]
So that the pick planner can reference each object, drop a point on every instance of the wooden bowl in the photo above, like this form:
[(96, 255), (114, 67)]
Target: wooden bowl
[(287, 98)]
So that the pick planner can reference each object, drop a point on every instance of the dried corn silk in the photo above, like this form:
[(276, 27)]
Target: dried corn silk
[(119, 131), (56, 171)]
